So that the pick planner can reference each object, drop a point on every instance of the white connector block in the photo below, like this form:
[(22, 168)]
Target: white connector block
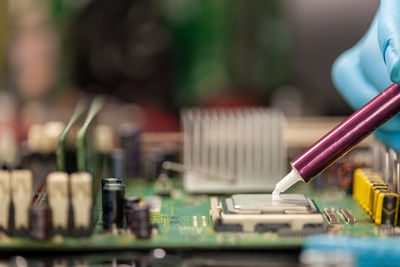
[(81, 198), (57, 189), (21, 185)]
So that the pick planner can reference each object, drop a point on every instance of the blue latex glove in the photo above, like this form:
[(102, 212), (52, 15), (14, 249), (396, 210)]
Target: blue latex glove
[(372, 65)]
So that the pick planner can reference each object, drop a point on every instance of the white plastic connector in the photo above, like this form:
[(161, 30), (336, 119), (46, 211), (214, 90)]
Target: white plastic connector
[(81, 198), (57, 188)]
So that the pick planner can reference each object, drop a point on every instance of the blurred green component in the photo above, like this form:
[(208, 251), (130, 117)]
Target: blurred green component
[(65, 152), (87, 157), (227, 45), (76, 149)]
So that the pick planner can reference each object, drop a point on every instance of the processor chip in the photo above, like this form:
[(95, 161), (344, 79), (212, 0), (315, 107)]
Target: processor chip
[(258, 213)]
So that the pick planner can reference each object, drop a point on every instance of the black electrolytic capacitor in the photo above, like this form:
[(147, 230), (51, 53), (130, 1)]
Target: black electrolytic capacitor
[(113, 205), (141, 225), (130, 206), (40, 223)]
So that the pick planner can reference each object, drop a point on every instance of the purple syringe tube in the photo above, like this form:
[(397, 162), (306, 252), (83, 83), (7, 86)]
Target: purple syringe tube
[(348, 133), (343, 138)]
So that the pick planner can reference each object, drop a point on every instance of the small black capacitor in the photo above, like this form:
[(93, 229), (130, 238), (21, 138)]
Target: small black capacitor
[(130, 205), (111, 181), (113, 205), (141, 225), (40, 223)]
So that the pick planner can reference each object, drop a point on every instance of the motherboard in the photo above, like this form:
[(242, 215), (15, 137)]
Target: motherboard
[(95, 189)]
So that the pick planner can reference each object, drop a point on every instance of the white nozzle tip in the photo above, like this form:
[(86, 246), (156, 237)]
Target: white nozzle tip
[(276, 195), (290, 179)]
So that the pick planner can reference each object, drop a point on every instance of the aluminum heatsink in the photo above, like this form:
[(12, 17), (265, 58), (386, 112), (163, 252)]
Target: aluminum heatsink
[(233, 150)]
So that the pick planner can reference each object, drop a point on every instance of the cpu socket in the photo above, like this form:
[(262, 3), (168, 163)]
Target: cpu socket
[(259, 213)]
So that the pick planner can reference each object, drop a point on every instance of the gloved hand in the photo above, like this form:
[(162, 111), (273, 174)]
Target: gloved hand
[(372, 65)]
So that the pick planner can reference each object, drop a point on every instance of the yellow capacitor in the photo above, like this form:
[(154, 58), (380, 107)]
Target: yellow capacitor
[(375, 201), (356, 183), (387, 208), (366, 191), (375, 196), (370, 195)]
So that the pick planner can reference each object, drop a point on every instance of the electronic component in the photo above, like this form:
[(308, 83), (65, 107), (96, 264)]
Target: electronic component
[(129, 134), (130, 205), (51, 132), (111, 181), (87, 157), (5, 200), (330, 216), (163, 185), (347, 216), (104, 139), (154, 202), (21, 184), (40, 156), (118, 163), (141, 225), (263, 203), (154, 160), (113, 205), (40, 222), (66, 153), (245, 145), (372, 196), (387, 208), (375, 200), (9, 146), (104, 143), (81, 200), (43, 138), (375, 196), (258, 213), (58, 196), (34, 137)]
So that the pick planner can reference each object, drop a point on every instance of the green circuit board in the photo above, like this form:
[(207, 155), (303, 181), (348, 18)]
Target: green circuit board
[(182, 220), (184, 223)]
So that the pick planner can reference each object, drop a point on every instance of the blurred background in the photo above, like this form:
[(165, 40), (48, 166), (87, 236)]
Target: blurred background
[(163, 55)]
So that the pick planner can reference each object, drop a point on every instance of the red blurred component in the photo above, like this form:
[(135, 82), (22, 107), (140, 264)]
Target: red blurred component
[(231, 100), (158, 119), (345, 172)]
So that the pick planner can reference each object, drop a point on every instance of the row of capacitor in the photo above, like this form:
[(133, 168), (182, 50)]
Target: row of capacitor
[(120, 211), (24, 214), (375, 196)]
